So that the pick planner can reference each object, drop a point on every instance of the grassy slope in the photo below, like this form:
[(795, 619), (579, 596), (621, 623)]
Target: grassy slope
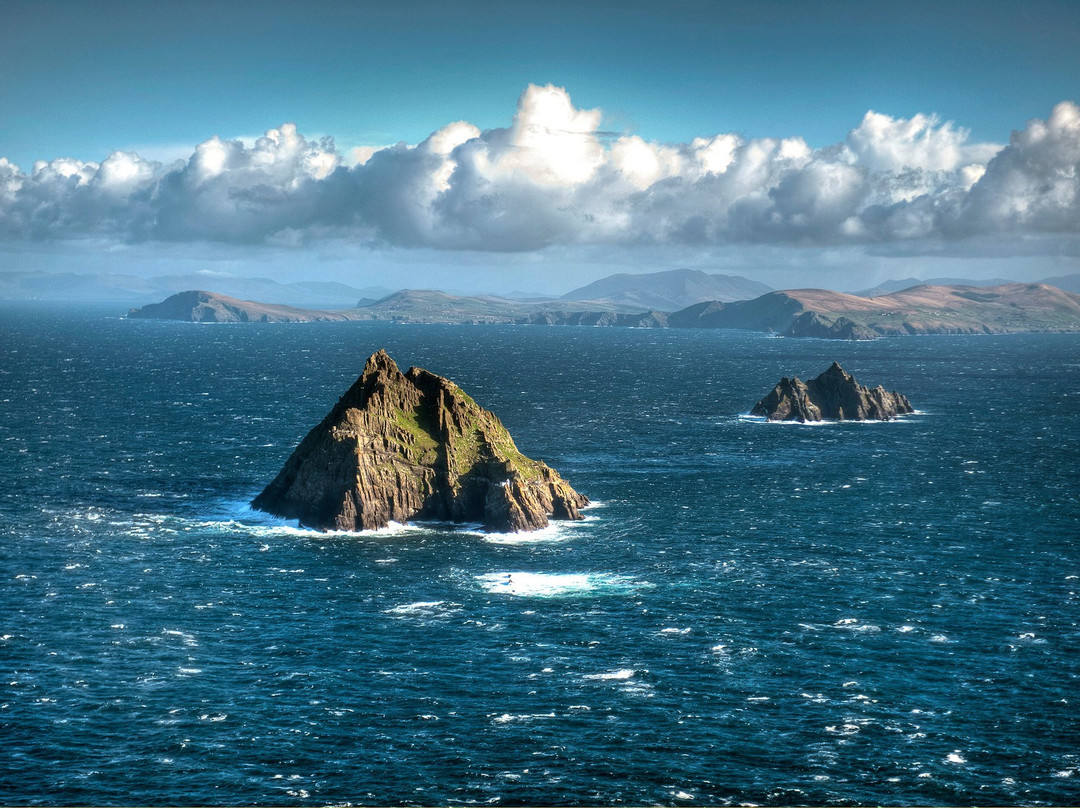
[(950, 309)]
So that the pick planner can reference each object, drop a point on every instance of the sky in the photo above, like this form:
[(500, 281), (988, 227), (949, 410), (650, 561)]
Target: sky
[(536, 146)]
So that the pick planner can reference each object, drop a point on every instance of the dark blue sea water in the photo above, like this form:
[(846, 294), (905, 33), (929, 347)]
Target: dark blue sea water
[(752, 613)]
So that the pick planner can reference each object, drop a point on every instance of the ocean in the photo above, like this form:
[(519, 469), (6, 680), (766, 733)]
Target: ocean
[(750, 614)]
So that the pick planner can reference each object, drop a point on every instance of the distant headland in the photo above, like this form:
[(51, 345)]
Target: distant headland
[(816, 313)]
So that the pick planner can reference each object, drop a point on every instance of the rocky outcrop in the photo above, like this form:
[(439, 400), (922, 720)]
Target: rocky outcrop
[(834, 395), (413, 446), (812, 324)]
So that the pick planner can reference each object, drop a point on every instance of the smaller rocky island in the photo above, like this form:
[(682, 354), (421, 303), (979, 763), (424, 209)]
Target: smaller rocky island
[(834, 395), (413, 446)]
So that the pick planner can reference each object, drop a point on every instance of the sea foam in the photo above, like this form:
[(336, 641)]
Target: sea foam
[(553, 585)]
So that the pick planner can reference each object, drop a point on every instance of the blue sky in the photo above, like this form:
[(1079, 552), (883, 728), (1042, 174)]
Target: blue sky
[(81, 80)]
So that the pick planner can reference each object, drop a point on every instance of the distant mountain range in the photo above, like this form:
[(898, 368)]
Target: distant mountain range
[(1070, 283), (623, 293), (670, 290), (888, 287), (794, 313), (428, 305), (667, 291), (431, 306)]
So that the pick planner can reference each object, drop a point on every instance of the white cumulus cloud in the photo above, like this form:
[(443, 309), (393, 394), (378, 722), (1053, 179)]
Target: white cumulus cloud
[(1033, 184), (553, 177), (882, 143)]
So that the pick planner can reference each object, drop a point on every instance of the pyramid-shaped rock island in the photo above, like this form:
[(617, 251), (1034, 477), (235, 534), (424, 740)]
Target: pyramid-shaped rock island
[(834, 395), (413, 446)]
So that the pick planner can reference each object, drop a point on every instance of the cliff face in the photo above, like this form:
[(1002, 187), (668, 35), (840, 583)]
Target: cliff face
[(812, 324), (833, 395), (413, 446)]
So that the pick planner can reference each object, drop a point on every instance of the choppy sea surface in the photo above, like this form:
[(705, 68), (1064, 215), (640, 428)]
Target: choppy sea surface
[(751, 613)]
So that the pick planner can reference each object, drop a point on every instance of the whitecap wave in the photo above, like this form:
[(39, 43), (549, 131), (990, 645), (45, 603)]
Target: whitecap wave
[(185, 637), (259, 525), (761, 419), (842, 729), (238, 518), (557, 530), (620, 674), (554, 532), (507, 718), (854, 624), (553, 585), (421, 607), (627, 680)]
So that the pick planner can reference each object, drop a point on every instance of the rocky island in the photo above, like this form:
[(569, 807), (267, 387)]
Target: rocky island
[(834, 395), (413, 446)]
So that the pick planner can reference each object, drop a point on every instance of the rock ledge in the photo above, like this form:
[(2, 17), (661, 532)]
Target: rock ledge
[(413, 446)]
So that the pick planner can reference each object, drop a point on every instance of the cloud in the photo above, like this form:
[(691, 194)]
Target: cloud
[(11, 181), (1033, 184), (69, 198), (881, 143), (230, 192), (550, 143), (553, 177)]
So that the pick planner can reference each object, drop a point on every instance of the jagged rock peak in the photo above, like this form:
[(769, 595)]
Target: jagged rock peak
[(834, 395), (413, 446)]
